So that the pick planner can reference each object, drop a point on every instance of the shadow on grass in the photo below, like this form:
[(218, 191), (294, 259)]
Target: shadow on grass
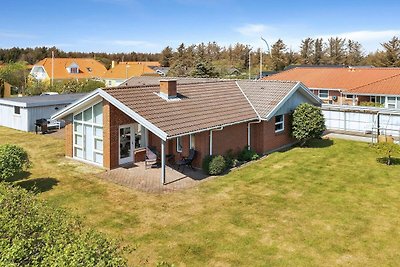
[(384, 160), (38, 185), (319, 143), (18, 177)]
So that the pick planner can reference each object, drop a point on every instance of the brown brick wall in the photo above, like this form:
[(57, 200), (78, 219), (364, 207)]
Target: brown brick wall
[(264, 138), (112, 119), (274, 140), (231, 137)]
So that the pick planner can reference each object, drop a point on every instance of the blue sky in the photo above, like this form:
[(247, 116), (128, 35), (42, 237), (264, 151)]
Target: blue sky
[(148, 26)]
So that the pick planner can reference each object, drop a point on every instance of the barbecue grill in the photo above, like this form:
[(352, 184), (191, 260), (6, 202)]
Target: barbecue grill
[(41, 126)]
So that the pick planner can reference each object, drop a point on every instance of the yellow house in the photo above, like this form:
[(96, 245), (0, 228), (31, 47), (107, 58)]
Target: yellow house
[(61, 69), (118, 73)]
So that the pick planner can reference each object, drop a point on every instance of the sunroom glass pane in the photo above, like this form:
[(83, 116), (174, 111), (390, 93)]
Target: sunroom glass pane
[(98, 113), (78, 117), (87, 115)]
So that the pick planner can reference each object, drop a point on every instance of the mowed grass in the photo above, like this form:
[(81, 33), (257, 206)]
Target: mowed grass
[(330, 204)]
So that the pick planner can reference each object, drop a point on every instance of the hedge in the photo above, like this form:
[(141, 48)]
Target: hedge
[(34, 234)]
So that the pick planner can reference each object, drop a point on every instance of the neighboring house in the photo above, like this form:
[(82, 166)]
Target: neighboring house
[(111, 127), (21, 113), (347, 86), (67, 68), (122, 71), (385, 92)]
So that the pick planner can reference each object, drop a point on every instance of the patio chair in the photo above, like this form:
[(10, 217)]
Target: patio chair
[(187, 161), (151, 157)]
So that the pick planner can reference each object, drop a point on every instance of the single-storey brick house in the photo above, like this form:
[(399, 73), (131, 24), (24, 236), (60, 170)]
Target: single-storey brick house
[(111, 127), (348, 86)]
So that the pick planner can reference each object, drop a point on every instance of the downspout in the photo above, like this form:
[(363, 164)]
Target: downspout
[(211, 137), (249, 132)]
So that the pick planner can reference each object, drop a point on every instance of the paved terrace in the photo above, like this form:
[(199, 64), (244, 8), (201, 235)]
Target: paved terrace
[(148, 180)]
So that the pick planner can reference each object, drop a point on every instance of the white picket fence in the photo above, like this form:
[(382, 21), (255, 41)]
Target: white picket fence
[(362, 120)]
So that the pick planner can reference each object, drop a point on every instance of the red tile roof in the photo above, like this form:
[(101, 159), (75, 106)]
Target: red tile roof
[(387, 86), (335, 78), (88, 68), (201, 106)]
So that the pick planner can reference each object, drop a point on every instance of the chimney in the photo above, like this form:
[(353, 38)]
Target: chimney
[(168, 89), (113, 64)]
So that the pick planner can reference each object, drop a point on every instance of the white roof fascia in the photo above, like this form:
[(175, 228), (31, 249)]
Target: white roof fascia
[(299, 85), (99, 92)]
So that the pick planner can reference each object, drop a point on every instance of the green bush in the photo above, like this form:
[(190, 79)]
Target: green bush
[(13, 159), (372, 104), (206, 164), (217, 165), (247, 155), (214, 165), (34, 234), (308, 122), (230, 158), (387, 150)]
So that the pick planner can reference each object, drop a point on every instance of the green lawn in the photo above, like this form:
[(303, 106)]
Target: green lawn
[(332, 204)]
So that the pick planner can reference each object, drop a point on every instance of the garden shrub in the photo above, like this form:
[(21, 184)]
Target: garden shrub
[(34, 234), (387, 150), (217, 165), (308, 122), (230, 158), (206, 164), (247, 155), (372, 104), (13, 159)]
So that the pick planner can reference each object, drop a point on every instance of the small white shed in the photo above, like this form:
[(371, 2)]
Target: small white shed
[(21, 113)]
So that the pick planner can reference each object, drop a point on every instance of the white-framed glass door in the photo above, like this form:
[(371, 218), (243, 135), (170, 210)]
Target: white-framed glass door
[(126, 141)]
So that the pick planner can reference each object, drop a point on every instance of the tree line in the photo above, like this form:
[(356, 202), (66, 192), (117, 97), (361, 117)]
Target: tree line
[(213, 60), (33, 55)]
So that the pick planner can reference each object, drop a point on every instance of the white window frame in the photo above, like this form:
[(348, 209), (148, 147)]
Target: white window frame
[(93, 125), (348, 96), (387, 103), (192, 141), (19, 110), (319, 94), (280, 123), (179, 144), (144, 133)]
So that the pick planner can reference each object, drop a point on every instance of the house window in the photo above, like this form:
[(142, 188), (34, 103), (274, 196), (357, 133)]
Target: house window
[(179, 144), (391, 102), (279, 123), (349, 96), (88, 134), (73, 70), (323, 94), (140, 136), (372, 99), (17, 110), (192, 141)]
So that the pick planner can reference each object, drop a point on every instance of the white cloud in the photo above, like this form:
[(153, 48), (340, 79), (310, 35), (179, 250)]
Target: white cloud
[(6, 34), (362, 36), (132, 43), (253, 29)]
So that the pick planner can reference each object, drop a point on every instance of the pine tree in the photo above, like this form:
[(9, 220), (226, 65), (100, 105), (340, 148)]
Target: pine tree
[(278, 51), (166, 56), (336, 52), (354, 53), (306, 51), (392, 53), (318, 52)]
